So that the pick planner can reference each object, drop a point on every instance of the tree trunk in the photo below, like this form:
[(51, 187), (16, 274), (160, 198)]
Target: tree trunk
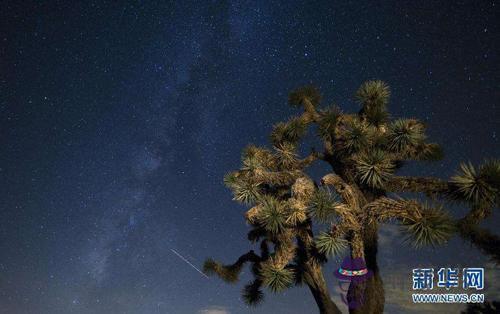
[(316, 282), (373, 288)]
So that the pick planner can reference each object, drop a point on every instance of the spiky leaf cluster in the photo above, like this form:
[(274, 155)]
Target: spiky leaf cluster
[(354, 136), (254, 157), (288, 132), (327, 123), (374, 168), (322, 205), (310, 93), (231, 179), (490, 171), (478, 186), (272, 216), (374, 96), (330, 244), (252, 293), (429, 226), (245, 192), (405, 134), (276, 278), (287, 156)]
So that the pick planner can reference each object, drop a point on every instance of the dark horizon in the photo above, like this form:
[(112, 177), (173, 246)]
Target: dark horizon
[(119, 121)]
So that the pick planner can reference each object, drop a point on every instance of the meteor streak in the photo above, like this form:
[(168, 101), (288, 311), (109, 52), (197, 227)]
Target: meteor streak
[(185, 260)]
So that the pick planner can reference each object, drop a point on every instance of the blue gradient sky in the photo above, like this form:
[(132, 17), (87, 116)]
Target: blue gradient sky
[(119, 120)]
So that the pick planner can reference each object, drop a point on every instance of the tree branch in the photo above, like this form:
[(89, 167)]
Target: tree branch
[(350, 194), (385, 208), (430, 186), (230, 273), (281, 178), (307, 161)]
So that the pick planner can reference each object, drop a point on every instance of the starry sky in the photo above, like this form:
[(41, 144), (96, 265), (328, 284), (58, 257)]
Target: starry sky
[(118, 120)]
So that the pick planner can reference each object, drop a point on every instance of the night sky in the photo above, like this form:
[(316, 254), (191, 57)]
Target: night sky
[(118, 121)]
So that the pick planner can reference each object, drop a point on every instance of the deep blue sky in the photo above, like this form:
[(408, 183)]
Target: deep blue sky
[(119, 120)]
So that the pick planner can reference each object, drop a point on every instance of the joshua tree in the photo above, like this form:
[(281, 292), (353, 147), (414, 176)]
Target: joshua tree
[(365, 150)]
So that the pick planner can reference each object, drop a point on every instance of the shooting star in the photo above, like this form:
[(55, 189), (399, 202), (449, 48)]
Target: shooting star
[(185, 260)]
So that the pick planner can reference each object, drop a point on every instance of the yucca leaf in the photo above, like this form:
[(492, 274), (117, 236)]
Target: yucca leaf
[(404, 134), (296, 97), (328, 122), (231, 179), (490, 172), (375, 116), (329, 244), (374, 168), (250, 163), (252, 293), (373, 94), (249, 150), (288, 132), (431, 226), (322, 205), (254, 157), (272, 216), (473, 186), (245, 192), (287, 155), (276, 278), (355, 136)]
